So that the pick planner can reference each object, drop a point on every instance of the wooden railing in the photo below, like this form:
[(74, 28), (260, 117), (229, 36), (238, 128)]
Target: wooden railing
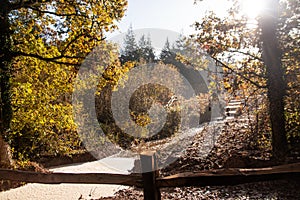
[(151, 182)]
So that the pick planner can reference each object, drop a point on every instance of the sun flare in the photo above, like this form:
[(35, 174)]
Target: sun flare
[(252, 8)]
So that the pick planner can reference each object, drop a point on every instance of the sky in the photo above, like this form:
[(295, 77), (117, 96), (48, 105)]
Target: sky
[(173, 15), (163, 19)]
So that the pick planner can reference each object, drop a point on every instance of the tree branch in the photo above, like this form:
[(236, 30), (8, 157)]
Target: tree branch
[(53, 59), (245, 53), (62, 52), (23, 4), (239, 74), (56, 14)]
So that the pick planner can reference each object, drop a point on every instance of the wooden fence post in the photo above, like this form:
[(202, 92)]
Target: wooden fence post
[(149, 175)]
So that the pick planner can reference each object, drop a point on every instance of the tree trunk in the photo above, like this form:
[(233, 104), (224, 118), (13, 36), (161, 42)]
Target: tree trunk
[(5, 87), (6, 160), (275, 77)]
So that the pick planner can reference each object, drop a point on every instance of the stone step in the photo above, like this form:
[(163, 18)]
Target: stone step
[(235, 103), (233, 107)]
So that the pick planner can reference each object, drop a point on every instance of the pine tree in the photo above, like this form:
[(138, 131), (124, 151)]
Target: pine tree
[(130, 52), (146, 50), (166, 55), (180, 44)]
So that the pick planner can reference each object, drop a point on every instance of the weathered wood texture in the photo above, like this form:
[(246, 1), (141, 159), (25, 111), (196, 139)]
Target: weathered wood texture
[(231, 176), (150, 174), (211, 177), (57, 178), (150, 181)]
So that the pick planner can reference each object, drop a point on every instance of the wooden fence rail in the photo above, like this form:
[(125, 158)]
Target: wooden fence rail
[(151, 182), (231, 176), (85, 178)]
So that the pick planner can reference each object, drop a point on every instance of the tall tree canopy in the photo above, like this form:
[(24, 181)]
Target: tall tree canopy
[(262, 58), (60, 32)]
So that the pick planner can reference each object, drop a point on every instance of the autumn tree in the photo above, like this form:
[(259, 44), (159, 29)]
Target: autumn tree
[(55, 31), (289, 44), (42, 121), (258, 57), (170, 55)]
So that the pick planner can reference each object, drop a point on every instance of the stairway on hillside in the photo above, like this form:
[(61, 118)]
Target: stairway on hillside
[(234, 108)]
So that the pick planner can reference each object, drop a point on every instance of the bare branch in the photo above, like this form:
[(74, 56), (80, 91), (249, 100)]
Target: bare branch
[(238, 73), (245, 53)]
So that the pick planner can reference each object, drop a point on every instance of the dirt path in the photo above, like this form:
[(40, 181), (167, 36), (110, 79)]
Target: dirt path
[(73, 191), (94, 191)]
